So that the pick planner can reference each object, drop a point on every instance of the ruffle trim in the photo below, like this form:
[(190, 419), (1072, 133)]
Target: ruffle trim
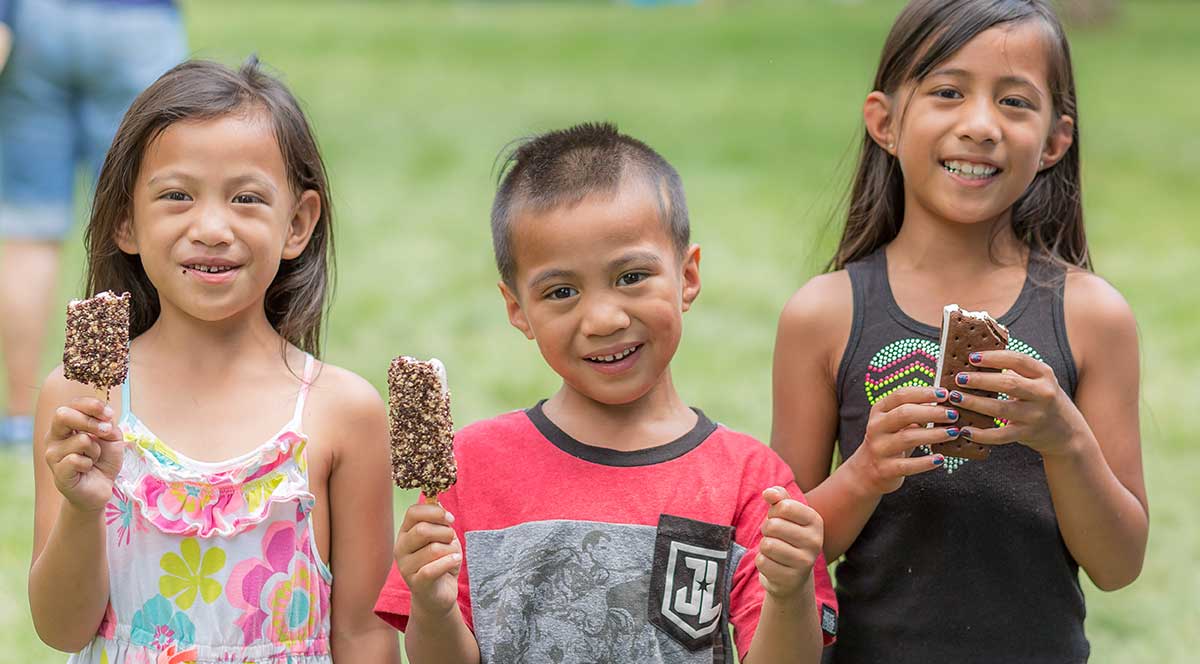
[(179, 498)]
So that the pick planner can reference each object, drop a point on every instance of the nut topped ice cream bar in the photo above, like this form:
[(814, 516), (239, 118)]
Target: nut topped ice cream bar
[(96, 351), (963, 333), (422, 431)]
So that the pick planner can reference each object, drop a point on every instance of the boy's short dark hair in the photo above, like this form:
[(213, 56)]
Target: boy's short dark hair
[(565, 166)]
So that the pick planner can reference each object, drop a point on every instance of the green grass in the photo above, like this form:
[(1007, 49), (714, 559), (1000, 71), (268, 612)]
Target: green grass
[(756, 104)]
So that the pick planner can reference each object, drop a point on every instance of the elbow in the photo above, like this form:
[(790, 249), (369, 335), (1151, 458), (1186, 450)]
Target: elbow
[(1116, 579), (68, 643)]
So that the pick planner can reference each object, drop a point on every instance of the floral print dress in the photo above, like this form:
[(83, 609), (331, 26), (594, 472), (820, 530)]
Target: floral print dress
[(213, 562)]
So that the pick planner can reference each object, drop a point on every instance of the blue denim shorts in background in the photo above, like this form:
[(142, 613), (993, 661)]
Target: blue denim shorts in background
[(76, 66)]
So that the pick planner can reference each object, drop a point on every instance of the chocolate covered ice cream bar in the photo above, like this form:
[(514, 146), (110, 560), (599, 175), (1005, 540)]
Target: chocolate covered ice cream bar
[(422, 432), (963, 333), (96, 351)]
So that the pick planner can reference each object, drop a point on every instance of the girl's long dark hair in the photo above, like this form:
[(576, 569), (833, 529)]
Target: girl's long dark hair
[(199, 90), (1048, 217)]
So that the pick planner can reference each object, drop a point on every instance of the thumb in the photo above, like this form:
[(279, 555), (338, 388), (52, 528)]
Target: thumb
[(774, 495)]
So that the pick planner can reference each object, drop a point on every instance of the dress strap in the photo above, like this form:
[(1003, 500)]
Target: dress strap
[(126, 409), (305, 383)]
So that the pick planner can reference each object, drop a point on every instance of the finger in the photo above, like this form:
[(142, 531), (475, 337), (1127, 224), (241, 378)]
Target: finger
[(449, 564), (77, 443), (907, 414), (71, 467), (794, 511), (787, 555), (424, 534), (1005, 409), (426, 513), (904, 442), (994, 436), (92, 407), (411, 563), (791, 532), (67, 420), (915, 395), (774, 495), (1014, 385), (917, 465), (1025, 365)]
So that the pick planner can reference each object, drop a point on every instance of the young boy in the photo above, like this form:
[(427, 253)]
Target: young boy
[(611, 522)]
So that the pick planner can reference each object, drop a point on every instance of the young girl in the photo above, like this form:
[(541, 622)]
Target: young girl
[(967, 192), (205, 512)]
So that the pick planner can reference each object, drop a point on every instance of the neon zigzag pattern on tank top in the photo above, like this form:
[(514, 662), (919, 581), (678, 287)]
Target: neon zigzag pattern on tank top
[(912, 362)]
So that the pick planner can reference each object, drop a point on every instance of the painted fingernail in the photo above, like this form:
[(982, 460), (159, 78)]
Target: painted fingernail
[(108, 412), (976, 358), (952, 432), (966, 433), (449, 517), (456, 557), (938, 460), (956, 397), (104, 427), (951, 415), (961, 379), (939, 393)]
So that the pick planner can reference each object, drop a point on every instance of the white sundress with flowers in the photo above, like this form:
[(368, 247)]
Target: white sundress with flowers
[(213, 562)]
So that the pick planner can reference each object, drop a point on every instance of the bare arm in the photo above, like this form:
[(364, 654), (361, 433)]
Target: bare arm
[(74, 466), (1099, 491), (1090, 446), (360, 508), (813, 332), (429, 558)]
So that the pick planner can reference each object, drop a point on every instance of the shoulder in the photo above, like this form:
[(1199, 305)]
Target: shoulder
[(752, 458), (57, 390), (821, 302), (338, 390), (1098, 318), (493, 434)]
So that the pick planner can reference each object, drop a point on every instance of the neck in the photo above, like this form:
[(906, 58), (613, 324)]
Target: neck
[(654, 419), (197, 347), (953, 249)]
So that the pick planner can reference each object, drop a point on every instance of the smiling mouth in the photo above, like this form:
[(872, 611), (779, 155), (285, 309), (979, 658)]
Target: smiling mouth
[(970, 170), (211, 269), (616, 357)]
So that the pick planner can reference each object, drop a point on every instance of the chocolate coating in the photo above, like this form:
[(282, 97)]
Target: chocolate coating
[(422, 431), (96, 351)]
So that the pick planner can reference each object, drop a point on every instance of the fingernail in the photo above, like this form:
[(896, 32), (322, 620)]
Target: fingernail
[(456, 557), (956, 397), (951, 415), (104, 427), (952, 432), (449, 517), (975, 358), (939, 393), (961, 379), (939, 460), (966, 433), (108, 412)]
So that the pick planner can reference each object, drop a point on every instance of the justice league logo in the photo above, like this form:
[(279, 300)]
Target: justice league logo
[(688, 590)]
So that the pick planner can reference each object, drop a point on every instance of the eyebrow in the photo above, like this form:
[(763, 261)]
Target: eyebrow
[(635, 257), (1011, 79), (248, 178), (548, 275)]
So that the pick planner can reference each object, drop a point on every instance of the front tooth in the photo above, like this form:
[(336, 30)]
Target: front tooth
[(609, 358)]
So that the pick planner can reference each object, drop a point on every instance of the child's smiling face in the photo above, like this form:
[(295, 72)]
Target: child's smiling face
[(971, 136), (602, 289), (214, 214)]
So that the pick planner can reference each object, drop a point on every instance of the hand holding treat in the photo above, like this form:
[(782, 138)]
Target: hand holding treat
[(965, 333), (1039, 414), (96, 351), (421, 429)]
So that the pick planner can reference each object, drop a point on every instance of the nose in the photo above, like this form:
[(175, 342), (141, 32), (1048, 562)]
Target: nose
[(603, 316), (979, 122), (211, 226)]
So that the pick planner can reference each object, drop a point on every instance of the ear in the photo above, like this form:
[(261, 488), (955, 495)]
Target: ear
[(1062, 135), (878, 116), (691, 276), (303, 223), (123, 236), (516, 315)]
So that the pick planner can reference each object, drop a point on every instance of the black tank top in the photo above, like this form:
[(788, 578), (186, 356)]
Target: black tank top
[(964, 563)]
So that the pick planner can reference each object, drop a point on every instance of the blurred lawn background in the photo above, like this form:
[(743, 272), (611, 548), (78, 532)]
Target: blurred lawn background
[(757, 104)]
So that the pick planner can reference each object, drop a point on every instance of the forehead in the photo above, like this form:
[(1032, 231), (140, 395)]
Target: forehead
[(589, 233), (244, 140), (1009, 50)]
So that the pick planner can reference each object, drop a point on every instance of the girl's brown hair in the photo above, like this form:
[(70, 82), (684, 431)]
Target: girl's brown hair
[(1048, 216), (297, 298)]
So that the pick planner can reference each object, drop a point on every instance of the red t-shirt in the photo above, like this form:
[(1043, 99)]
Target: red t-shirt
[(576, 553)]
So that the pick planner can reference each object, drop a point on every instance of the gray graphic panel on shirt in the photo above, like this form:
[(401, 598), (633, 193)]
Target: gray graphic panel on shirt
[(572, 592)]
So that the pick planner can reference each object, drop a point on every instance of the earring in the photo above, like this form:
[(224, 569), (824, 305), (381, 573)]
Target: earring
[(1041, 163), (891, 146)]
